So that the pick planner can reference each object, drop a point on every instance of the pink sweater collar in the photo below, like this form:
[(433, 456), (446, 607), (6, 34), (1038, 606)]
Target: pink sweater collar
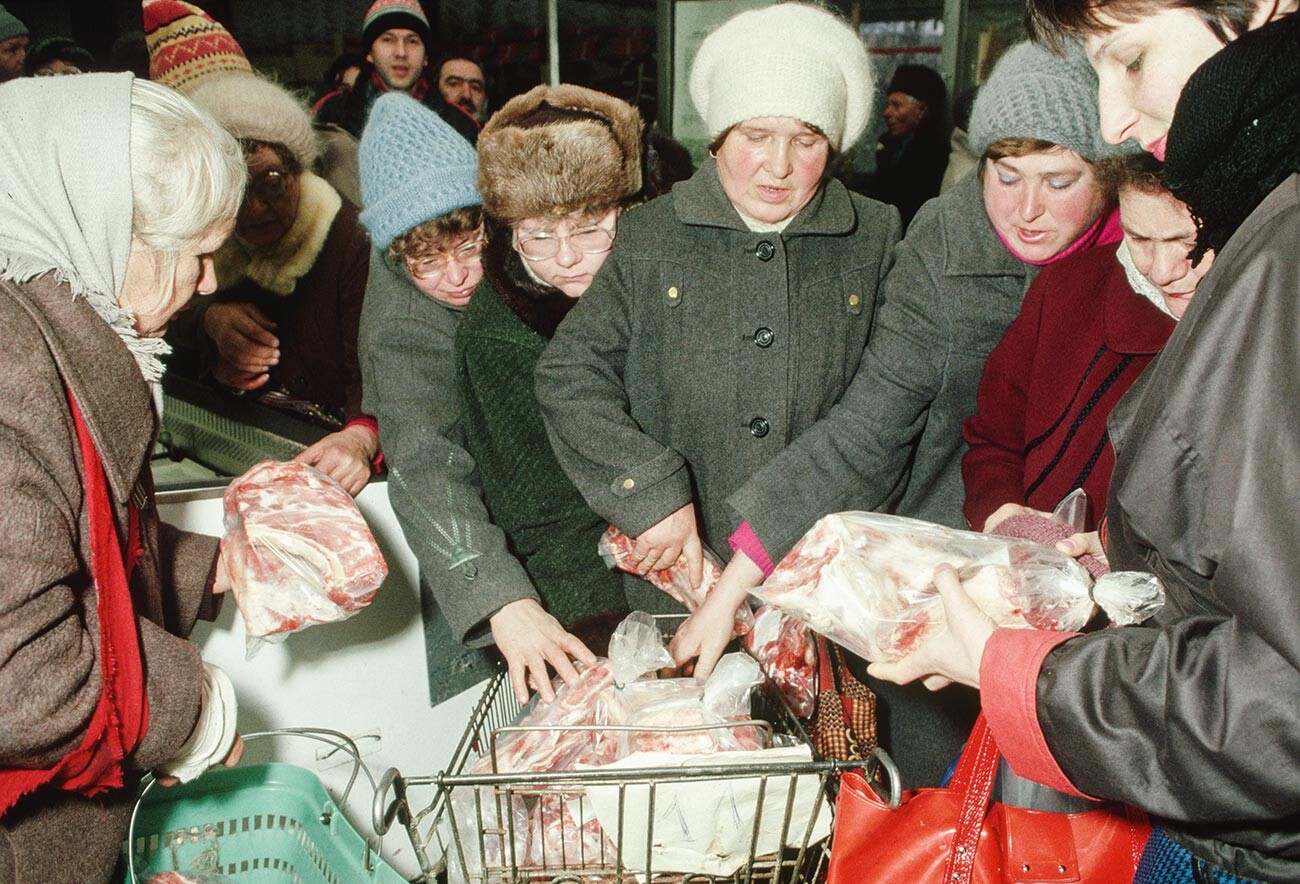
[(1104, 231)]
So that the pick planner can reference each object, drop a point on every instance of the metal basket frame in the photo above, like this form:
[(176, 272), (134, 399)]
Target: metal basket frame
[(492, 717)]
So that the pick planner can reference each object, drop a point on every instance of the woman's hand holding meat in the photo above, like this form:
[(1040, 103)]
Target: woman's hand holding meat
[(530, 638), (952, 655), (705, 634), (1087, 543), (675, 535)]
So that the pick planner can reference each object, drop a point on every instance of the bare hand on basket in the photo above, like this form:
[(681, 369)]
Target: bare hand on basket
[(530, 638), (954, 653)]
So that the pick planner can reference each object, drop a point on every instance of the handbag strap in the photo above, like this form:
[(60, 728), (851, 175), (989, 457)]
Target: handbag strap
[(976, 771)]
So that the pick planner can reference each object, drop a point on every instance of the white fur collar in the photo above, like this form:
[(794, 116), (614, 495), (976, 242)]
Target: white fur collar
[(278, 268)]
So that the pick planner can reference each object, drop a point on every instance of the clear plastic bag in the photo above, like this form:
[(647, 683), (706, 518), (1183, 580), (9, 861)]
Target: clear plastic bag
[(616, 548), (865, 581), (297, 548), (783, 646)]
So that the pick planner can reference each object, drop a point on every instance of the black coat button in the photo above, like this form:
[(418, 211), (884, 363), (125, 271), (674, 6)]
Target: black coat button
[(765, 251), (758, 427), (764, 337)]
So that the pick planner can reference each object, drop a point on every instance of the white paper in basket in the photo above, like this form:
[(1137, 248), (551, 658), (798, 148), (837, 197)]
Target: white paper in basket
[(705, 826)]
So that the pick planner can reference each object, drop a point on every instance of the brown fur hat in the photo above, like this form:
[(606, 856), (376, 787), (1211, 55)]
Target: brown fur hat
[(558, 149)]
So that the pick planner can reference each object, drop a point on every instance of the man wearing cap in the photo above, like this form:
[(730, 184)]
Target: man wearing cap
[(13, 45), (397, 38), (913, 153)]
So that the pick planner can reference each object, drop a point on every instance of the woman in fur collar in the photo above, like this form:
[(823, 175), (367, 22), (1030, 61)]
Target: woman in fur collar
[(292, 278), (557, 166)]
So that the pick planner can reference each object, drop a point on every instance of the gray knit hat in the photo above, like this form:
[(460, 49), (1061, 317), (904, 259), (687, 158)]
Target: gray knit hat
[(1034, 93), (11, 25), (414, 168)]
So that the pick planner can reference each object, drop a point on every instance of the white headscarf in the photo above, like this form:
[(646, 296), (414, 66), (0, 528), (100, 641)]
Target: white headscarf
[(1139, 283), (65, 173)]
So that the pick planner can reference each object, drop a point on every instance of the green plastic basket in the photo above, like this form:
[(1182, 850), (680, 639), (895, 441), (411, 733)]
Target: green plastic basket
[(259, 824)]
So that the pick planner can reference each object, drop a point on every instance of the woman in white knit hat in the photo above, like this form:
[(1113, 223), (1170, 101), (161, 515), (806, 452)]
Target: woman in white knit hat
[(732, 312), (894, 441)]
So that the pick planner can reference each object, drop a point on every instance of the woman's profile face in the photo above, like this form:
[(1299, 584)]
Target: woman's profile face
[(156, 288), (1160, 232), (1042, 202), (1142, 67), (772, 166)]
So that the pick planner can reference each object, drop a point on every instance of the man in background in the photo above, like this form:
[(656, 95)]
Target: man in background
[(396, 37), (14, 37), (463, 85), (913, 152)]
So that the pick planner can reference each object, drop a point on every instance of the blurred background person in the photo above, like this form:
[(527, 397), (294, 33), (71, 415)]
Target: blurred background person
[(54, 56), (463, 85), (913, 152), (14, 39)]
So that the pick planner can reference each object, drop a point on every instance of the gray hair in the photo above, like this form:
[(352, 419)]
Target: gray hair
[(187, 173)]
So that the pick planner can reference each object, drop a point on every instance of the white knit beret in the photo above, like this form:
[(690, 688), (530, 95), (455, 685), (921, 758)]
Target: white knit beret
[(786, 60), (251, 106)]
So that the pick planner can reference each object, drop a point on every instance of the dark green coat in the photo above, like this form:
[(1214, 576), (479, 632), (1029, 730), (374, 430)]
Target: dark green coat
[(547, 523), (702, 348)]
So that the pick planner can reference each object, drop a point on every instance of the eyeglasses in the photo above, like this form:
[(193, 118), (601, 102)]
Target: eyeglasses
[(593, 240), (435, 265), (269, 186)]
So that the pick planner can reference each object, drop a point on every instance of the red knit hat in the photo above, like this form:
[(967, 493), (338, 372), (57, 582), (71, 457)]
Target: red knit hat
[(186, 44)]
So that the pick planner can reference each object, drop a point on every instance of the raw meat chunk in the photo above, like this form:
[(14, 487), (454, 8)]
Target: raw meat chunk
[(781, 644), (297, 548)]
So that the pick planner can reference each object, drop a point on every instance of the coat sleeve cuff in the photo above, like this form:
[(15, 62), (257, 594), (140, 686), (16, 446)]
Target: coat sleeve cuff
[(1008, 692), (743, 539)]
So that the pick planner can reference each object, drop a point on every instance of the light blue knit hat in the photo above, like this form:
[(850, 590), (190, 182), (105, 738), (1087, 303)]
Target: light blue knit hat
[(1035, 93), (414, 168)]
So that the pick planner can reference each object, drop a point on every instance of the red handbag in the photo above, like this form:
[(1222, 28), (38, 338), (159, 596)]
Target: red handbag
[(953, 835)]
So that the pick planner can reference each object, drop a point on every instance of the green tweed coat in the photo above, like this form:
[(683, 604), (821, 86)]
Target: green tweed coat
[(703, 348), (547, 523)]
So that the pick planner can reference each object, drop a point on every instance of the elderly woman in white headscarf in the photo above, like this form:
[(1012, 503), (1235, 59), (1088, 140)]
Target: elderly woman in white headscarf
[(103, 240)]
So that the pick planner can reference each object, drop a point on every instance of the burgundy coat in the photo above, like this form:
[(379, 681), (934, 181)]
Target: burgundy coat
[(49, 633), (1082, 338)]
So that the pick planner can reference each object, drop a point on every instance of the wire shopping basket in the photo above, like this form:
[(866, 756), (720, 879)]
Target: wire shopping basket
[(476, 825), (262, 823)]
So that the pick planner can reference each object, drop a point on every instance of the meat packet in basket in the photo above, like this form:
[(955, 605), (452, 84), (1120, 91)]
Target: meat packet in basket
[(297, 548), (865, 581)]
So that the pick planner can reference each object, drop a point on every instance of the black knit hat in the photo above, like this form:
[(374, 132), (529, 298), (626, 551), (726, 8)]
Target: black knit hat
[(920, 82), (385, 15)]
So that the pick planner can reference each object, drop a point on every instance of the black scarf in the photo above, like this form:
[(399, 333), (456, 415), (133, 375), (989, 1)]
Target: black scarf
[(1236, 130), (540, 306)]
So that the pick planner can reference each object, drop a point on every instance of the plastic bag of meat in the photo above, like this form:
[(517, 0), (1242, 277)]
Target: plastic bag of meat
[(782, 645), (705, 712), (865, 581), (563, 834), (617, 550), (297, 548), (190, 877)]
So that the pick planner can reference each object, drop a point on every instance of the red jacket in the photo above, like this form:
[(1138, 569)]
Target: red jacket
[(1082, 338)]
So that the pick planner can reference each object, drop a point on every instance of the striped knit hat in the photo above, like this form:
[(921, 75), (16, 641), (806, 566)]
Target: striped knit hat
[(384, 15), (186, 44)]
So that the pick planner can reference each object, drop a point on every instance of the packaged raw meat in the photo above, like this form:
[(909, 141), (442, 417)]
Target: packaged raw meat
[(190, 877), (783, 646), (617, 549), (865, 581), (709, 710), (297, 548)]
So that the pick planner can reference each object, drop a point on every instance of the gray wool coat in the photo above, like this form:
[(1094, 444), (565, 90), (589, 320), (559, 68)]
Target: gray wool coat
[(49, 632), (702, 349), (894, 441), (406, 349)]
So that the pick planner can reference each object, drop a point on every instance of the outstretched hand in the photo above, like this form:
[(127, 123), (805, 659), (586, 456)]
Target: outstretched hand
[(701, 639), (954, 653), (344, 456), (530, 638)]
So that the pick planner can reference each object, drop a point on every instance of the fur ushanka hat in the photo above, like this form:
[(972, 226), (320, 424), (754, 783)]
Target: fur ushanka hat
[(556, 150)]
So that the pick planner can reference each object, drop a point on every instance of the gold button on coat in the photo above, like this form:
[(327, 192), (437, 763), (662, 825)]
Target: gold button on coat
[(629, 484)]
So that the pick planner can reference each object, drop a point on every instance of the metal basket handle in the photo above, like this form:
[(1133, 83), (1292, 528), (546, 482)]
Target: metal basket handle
[(337, 739)]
